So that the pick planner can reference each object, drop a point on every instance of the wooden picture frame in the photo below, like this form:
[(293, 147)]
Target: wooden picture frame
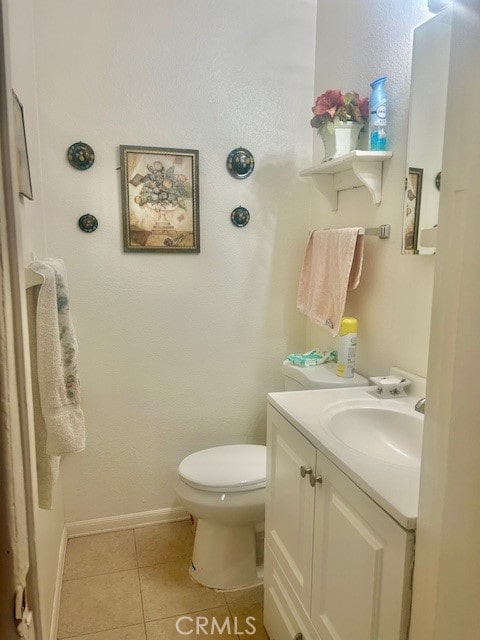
[(160, 199), (23, 165), (413, 201)]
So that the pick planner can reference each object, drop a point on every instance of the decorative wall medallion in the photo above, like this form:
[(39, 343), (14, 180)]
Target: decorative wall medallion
[(88, 223), (438, 180), (81, 155), (240, 163), (240, 216)]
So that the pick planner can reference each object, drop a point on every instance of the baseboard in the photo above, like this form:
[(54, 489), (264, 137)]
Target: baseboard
[(127, 521), (58, 585)]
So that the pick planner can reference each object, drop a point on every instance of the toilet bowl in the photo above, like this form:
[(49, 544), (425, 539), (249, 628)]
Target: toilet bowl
[(224, 488)]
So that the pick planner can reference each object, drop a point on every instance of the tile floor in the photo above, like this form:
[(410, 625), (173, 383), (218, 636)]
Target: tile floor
[(134, 584)]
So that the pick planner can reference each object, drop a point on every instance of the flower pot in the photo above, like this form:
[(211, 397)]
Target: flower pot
[(341, 141)]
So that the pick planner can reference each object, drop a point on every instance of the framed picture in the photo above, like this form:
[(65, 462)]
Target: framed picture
[(23, 167), (160, 199), (413, 199)]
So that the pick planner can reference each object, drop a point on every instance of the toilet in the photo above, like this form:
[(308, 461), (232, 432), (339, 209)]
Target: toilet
[(320, 377), (224, 489)]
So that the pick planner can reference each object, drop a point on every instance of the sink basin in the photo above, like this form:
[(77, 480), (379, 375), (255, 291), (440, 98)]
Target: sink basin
[(390, 433)]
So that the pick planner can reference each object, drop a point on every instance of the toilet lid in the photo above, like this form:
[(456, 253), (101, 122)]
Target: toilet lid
[(237, 467)]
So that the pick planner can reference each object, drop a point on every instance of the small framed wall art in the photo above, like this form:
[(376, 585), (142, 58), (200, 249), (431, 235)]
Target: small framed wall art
[(160, 199), (23, 167), (413, 200)]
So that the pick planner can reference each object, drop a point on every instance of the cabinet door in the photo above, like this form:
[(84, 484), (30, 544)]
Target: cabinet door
[(290, 503), (362, 563)]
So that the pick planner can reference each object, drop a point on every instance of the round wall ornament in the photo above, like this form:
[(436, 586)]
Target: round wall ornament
[(240, 216), (88, 223), (81, 155), (240, 163)]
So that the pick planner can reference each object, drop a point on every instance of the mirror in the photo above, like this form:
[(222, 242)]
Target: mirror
[(426, 127)]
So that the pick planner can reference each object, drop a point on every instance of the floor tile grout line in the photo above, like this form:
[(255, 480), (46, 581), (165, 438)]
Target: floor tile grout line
[(249, 605), (228, 605), (141, 595), (184, 614), (93, 633), (136, 548), (140, 583), (186, 557), (98, 575), (146, 566)]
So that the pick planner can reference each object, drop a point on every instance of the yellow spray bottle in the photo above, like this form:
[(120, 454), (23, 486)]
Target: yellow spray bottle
[(347, 346)]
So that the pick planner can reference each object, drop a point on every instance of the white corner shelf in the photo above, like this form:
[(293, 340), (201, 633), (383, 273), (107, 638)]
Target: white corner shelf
[(355, 169)]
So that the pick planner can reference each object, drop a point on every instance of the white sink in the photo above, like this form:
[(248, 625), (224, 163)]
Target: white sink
[(382, 430)]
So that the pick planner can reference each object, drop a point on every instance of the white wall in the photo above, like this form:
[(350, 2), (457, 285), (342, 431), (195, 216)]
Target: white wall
[(177, 351), (393, 301), (49, 524)]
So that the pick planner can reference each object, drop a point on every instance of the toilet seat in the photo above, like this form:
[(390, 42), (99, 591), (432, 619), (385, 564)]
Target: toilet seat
[(230, 468)]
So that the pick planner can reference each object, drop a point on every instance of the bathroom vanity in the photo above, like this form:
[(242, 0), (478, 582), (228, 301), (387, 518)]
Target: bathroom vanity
[(340, 515)]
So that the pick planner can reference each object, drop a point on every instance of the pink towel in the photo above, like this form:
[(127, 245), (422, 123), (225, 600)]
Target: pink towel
[(332, 265)]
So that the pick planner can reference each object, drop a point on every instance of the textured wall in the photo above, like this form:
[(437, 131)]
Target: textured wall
[(49, 524), (177, 351), (393, 301)]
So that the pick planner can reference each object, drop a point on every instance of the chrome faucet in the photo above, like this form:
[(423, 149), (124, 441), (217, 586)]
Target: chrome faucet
[(420, 406)]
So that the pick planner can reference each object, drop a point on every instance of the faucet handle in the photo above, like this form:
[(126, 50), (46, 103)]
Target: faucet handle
[(420, 405), (390, 386)]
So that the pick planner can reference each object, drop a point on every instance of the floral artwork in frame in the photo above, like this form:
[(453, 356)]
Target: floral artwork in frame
[(413, 198), (23, 166), (160, 199)]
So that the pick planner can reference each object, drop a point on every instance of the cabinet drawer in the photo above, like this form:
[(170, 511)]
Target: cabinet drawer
[(283, 617)]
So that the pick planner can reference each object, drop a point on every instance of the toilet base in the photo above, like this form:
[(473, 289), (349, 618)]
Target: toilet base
[(224, 557)]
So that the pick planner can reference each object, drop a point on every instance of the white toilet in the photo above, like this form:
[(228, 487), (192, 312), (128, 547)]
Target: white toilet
[(319, 377), (224, 488)]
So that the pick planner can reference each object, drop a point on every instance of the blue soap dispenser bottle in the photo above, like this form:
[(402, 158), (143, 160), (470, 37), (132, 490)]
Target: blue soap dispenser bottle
[(378, 115)]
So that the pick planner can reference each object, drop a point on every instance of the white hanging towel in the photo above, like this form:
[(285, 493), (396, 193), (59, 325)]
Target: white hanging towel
[(58, 382), (47, 466), (332, 265)]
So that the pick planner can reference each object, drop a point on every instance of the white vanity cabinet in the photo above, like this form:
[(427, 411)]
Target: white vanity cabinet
[(337, 567)]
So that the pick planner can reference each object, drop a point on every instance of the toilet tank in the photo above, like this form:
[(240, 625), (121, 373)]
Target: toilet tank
[(321, 376)]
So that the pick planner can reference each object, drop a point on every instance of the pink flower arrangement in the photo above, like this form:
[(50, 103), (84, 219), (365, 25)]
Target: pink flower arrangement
[(333, 107)]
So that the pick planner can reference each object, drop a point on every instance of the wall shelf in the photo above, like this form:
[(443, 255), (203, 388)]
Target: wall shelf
[(355, 169)]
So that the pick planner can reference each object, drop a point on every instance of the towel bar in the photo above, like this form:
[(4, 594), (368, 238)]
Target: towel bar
[(383, 231)]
